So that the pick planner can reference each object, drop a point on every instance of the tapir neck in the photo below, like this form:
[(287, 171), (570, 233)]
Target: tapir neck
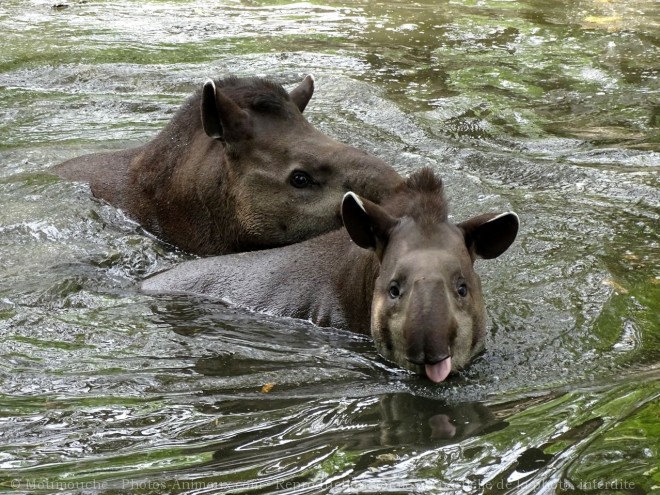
[(185, 201), (354, 271)]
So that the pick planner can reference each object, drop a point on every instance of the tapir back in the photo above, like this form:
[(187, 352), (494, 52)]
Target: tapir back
[(326, 280)]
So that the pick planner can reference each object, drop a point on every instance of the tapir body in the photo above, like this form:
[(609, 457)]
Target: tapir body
[(238, 168), (400, 272)]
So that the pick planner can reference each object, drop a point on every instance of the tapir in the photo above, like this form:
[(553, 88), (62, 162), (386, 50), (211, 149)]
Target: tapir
[(399, 271), (238, 168)]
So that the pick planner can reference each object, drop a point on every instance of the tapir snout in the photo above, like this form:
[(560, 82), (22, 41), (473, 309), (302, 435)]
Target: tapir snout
[(429, 327)]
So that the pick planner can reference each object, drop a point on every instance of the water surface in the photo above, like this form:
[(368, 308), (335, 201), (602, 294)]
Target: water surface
[(551, 109)]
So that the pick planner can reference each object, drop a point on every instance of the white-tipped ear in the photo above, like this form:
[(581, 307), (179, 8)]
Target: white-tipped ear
[(366, 223), (488, 236), (209, 111), (512, 214), (222, 118), (354, 197), (357, 221), (210, 82)]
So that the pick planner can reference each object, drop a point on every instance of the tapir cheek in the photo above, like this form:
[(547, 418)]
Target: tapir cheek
[(464, 343), (386, 324), (378, 330)]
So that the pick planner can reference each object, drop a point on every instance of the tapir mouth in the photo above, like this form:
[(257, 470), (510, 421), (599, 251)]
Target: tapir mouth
[(439, 371), (436, 369)]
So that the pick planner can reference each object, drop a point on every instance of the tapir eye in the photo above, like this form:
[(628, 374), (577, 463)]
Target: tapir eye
[(394, 290), (462, 289), (300, 179)]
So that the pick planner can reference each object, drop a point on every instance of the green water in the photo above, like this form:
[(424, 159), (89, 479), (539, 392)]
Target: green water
[(550, 108)]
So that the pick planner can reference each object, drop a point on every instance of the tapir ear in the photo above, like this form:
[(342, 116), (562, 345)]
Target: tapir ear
[(223, 119), (303, 93), (488, 236), (367, 223)]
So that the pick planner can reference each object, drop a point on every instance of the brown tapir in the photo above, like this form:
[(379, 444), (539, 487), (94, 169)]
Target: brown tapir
[(237, 168), (400, 271)]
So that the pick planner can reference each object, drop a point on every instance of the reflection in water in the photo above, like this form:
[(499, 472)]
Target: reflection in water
[(360, 434), (407, 419)]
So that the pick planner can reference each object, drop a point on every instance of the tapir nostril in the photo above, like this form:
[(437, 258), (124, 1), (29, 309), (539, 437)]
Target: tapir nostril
[(422, 360), (437, 359)]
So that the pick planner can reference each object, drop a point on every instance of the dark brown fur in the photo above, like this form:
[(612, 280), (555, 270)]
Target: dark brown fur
[(232, 192)]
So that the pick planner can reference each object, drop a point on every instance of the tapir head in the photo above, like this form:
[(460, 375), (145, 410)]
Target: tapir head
[(286, 179), (427, 309)]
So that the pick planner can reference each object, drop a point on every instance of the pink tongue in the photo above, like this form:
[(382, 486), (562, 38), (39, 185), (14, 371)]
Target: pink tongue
[(439, 371)]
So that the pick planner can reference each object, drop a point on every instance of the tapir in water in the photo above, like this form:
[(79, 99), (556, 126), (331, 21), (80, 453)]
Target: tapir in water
[(238, 168), (399, 271)]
